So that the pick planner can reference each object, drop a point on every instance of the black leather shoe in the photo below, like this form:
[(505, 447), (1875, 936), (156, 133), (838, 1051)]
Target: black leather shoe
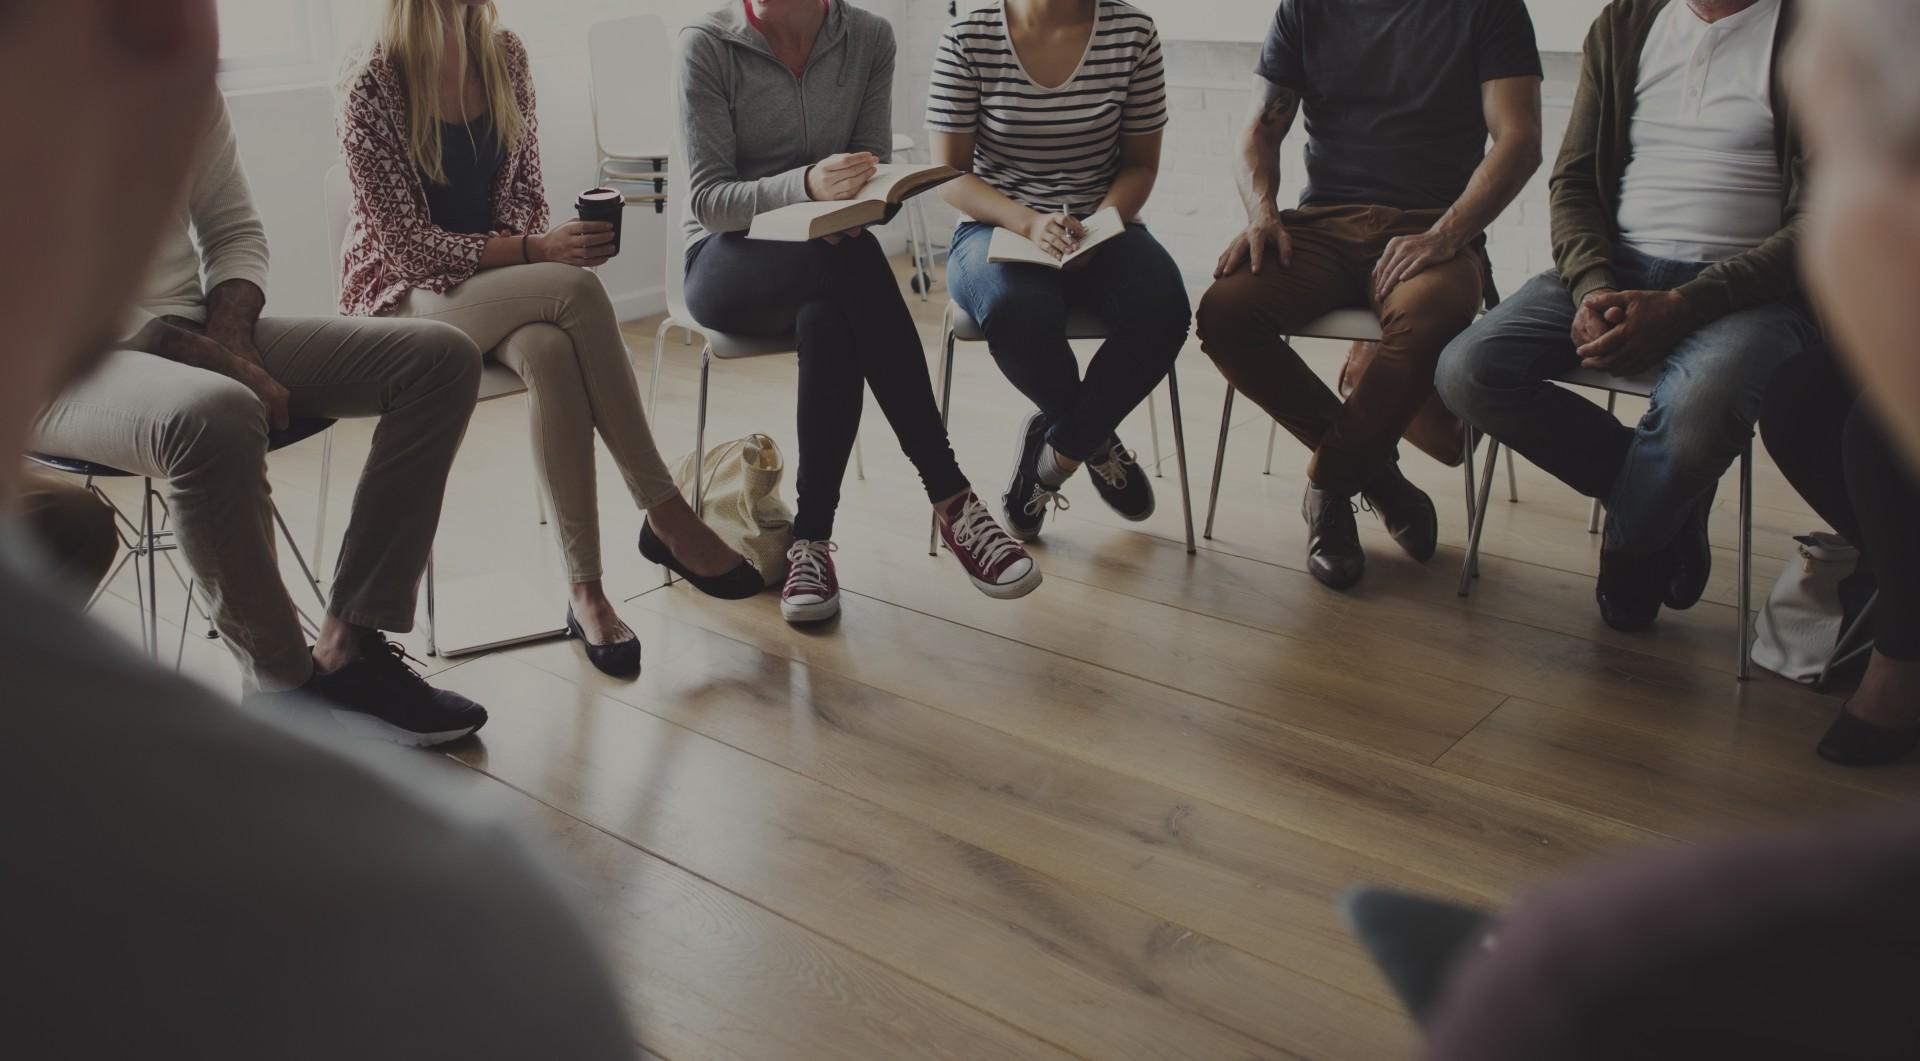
[(1630, 589), (738, 584), (1333, 539), (616, 659), (1692, 559), (1852, 741), (1407, 511)]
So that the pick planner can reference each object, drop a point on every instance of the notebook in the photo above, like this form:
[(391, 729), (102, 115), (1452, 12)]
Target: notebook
[(1011, 246)]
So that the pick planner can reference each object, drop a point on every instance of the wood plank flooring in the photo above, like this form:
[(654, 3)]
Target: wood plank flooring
[(1107, 821)]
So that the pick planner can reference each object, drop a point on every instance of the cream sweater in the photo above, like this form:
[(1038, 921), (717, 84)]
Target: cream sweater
[(214, 235)]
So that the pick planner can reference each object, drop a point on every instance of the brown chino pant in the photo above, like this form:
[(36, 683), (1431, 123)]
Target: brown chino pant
[(1243, 317)]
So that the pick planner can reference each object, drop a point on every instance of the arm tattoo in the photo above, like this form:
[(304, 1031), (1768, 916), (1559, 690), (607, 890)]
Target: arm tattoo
[(1277, 106)]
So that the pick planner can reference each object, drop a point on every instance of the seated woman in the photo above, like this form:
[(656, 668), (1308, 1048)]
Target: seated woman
[(782, 102), (1056, 112), (1832, 448), (450, 224)]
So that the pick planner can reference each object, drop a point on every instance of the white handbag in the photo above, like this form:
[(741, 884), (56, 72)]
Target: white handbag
[(742, 501), (1800, 623)]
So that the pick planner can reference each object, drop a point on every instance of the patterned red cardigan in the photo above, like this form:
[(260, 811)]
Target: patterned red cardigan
[(391, 246)]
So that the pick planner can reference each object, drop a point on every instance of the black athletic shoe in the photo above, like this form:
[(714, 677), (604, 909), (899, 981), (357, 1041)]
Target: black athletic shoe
[(1121, 482), (1630, 589), (1025, 503), (380, 696), (1692, 559)]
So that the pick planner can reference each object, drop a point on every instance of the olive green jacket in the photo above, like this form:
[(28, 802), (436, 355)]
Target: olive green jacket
[(1593, 159)]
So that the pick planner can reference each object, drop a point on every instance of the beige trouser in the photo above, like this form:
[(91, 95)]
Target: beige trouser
[(206, 435), (554, 326)]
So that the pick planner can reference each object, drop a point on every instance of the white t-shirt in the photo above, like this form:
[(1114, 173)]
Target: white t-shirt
[(1047, 146), (1704, 181)]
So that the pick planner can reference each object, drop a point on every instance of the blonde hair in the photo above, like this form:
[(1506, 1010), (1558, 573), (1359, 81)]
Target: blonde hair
[(414, 39)]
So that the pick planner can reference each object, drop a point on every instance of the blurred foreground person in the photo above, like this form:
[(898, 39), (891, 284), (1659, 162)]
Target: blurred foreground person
[(182, 881), (73, 529)]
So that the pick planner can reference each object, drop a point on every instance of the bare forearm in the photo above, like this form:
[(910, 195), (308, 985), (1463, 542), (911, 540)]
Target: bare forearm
[(1131, 190), (984, 203), (1495, 184), (1258, 177), (504, 251)]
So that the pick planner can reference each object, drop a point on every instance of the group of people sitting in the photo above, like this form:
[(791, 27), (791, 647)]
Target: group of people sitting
[(1677, 207), (221, 882)]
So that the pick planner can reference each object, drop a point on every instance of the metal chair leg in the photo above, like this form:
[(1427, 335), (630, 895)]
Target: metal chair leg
[(1745, 589), (1219, 461), (1470, 567), (433, 644), (1468, 445), (326, 480), (1593, 512), (292, 547), (1513, 480), (153, 582), (920, 249), (946, 402), (1153, 429), (1180, 455), (659, 355), (700, 435), (1273, 432), (1849, 646)]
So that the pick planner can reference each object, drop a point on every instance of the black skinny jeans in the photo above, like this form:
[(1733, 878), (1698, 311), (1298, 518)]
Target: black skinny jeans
[(1828, 446), (854, 330)]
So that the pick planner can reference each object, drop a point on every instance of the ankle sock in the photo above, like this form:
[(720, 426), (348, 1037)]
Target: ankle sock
[(1050, 470)]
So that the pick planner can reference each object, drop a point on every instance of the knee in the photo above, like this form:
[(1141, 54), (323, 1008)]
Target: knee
[(1459, 376), (223, 425), (451, 359), (1703, 435), (1423, 327), (537, 351), (1229, 316)]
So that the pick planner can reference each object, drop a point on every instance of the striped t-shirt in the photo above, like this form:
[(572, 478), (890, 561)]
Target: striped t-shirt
[(1047, 146)]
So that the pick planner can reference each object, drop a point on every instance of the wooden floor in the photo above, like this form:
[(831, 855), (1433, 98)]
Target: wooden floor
[(1106, 821)]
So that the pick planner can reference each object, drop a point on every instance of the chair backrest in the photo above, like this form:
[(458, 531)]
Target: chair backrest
[(631, 86), (339, 196)]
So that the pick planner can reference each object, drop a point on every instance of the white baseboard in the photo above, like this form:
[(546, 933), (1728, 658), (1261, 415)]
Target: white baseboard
[(646, 302)]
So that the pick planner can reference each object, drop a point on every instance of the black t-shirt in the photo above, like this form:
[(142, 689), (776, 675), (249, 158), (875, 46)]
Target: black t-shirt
[(472, 156), (1390, 90)]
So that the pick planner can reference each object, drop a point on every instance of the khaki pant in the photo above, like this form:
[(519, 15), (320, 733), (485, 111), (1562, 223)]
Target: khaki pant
[(1243, 316), (206, 436), (554, 326)]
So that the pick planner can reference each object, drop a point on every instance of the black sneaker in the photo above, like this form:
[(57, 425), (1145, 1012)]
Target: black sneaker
[(1025, 503), (381, 697), (1630, 589), (1121, 482)]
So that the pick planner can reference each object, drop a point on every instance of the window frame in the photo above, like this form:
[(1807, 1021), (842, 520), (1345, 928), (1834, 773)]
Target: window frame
[(309, 62)]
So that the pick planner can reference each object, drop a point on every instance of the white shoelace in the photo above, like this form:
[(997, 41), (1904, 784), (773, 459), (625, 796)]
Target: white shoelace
[(1043, 496), (977, 533), (1114, 468), (809, 571)]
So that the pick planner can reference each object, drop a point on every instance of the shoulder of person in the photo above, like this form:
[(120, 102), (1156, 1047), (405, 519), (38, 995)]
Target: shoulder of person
[(368, 74), (512, 47), (866, 25)]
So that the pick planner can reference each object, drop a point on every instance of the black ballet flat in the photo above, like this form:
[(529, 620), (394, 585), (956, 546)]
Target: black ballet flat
[(1854, 742), (616, 659), (740, 583)]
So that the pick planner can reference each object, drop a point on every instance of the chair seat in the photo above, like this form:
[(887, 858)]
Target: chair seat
[(499, 381), (1641, 385), (1357, 324), (298, 431), (632, 154), (1080, 325), (903, 142), (729, 347)]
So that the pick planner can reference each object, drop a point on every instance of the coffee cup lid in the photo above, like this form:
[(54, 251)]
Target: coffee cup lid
[(599, 194)]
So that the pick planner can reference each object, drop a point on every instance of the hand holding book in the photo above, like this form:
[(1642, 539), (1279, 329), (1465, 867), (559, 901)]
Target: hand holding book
[(1059, 252), (840, 177), (867, 194)]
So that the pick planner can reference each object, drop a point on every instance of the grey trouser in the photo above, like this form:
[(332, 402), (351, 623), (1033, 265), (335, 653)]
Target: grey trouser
[(206, 436), (554, 326)]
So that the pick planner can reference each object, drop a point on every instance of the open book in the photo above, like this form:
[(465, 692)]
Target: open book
[(891, 185), (1011, 246)]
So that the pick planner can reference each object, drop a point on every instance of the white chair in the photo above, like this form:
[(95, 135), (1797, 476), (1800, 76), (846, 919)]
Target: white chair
[(630, 92), (1641, 386), (961, 327), (919, 235), (1342, 325), (496, 381)]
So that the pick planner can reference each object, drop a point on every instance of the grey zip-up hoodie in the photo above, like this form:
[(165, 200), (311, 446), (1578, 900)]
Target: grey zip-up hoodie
[(749, 128)]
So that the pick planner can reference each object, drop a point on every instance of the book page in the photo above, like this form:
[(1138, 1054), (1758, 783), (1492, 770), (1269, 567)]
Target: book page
[(890, 176), (1011, 246), (1100, 228)]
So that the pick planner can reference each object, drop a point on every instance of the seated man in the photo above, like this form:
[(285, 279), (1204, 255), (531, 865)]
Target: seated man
[(189, 397), (1675, 202), (1399, 99)]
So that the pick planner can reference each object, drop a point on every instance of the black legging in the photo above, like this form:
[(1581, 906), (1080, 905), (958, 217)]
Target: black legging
[(1828, 446), (854, 330)]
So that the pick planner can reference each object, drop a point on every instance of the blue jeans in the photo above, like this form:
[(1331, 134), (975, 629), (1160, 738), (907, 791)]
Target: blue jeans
[(1496, 375), (1130, 282)]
